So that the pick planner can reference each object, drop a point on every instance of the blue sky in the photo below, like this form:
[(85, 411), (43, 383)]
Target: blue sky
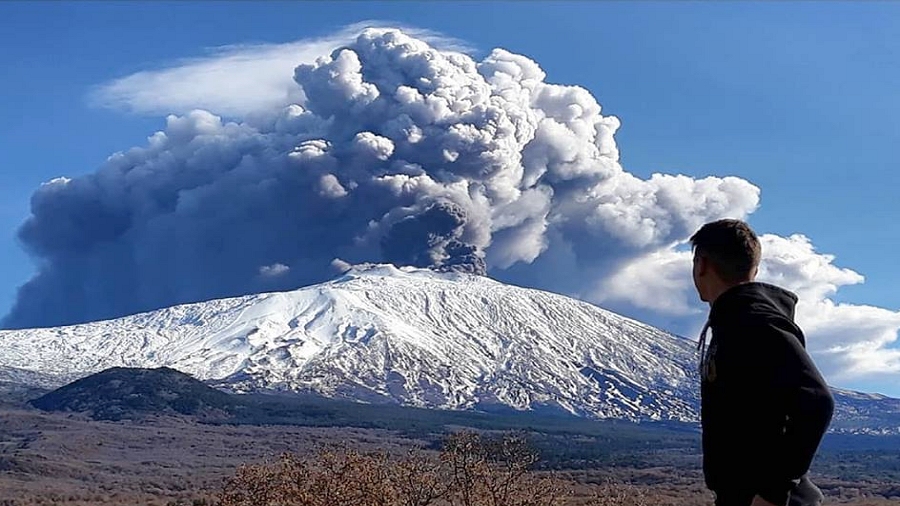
[(797, 98)]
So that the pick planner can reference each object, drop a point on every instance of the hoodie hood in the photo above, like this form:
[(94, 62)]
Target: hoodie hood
[(755, 301)]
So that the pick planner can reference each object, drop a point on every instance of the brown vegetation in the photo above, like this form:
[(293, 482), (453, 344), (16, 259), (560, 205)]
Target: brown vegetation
[(470, 471), (64, 459)]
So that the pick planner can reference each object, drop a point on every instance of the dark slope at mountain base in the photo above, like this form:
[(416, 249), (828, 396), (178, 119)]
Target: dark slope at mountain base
[(121, 392)]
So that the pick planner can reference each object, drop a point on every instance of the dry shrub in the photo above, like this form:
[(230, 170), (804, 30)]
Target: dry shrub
[(496, 472), (618, 494), (471, 470)]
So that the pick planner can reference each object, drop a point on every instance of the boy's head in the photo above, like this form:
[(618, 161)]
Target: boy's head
[(726, 253)]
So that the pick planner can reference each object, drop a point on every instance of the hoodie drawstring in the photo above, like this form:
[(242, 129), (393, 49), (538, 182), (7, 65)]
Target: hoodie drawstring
[(701, 347)]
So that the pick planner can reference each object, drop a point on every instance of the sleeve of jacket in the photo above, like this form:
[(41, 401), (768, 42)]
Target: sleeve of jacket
[(800, 391)]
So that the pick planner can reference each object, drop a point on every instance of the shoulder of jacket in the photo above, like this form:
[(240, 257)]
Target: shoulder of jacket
[(756, 329)]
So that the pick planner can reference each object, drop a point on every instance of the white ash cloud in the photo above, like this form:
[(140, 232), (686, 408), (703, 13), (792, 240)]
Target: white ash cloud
[(395, 151)]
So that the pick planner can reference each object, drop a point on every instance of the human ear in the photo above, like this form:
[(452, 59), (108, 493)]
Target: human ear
[(700, 265)]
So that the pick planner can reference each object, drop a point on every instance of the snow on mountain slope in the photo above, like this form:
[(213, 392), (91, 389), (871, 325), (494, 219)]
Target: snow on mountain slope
[(865, 413), (406, 335)]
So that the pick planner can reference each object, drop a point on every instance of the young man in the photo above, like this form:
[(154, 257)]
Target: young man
[(764, 405)]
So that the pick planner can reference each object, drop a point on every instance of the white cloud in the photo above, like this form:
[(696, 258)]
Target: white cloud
[(274, 270), (652, 212), (853, 341), (792, 261), (235, 80), (659, 281), (850, 342)]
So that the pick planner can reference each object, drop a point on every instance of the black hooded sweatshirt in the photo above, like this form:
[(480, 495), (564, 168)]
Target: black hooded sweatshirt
[(765, 406)]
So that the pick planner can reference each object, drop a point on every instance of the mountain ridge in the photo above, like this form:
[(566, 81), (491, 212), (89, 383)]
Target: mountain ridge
[(410, 336)]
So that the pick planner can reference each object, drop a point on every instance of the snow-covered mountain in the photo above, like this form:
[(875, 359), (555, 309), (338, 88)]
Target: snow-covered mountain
[(413, 336)]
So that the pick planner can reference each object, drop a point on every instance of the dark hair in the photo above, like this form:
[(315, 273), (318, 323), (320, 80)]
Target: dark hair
[(731, 246)]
